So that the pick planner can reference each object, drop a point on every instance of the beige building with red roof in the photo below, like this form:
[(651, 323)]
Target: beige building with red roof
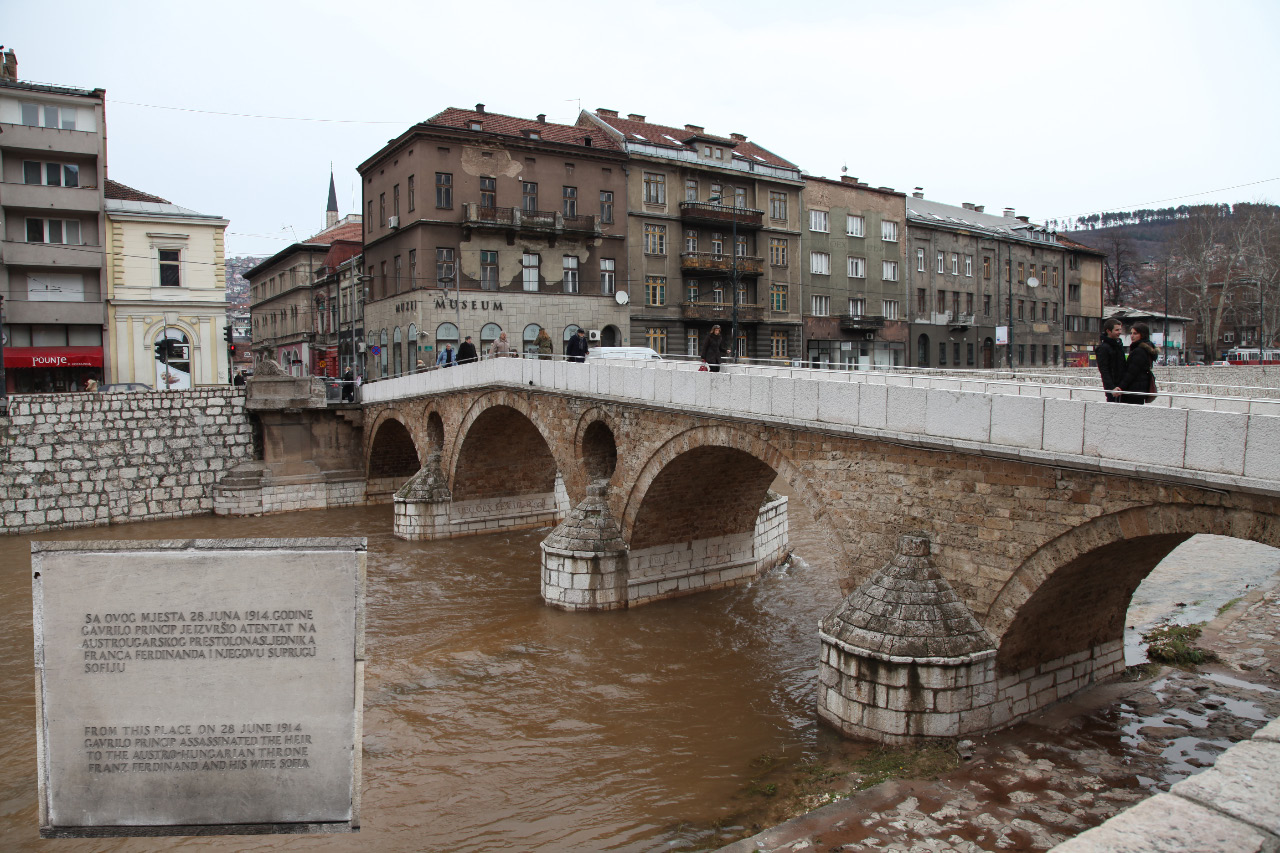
[(702, 210)]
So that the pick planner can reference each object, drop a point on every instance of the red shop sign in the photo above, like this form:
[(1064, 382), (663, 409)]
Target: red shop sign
[(53, 357)]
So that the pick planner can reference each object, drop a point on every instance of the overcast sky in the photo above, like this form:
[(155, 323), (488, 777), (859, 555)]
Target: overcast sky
[(1055, 109)]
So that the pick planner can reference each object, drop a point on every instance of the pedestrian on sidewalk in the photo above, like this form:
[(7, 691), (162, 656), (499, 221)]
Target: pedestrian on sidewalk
[(712, 350)]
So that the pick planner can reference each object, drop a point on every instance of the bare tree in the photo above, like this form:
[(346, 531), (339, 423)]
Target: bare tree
[(1120, 278), (1207, 267), (1258, 236)]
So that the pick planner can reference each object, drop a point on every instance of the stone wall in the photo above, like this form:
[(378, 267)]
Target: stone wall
[(81, 460)]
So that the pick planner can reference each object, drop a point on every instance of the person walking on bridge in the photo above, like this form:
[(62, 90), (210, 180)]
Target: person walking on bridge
[(1138, 382), (447, 357), (1109, 355), (501, 348), (577, 347), (466, 351), (712, 350)]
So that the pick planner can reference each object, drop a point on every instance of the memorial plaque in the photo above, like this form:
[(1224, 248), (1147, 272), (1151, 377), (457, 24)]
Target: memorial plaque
[(199, 686)]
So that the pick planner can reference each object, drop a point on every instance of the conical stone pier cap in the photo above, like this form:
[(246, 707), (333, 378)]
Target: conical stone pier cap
[(429, 484), (908, 609), (589, 527)]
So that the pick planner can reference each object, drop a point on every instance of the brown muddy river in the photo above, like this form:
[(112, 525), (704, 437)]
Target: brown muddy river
[(493, 722)]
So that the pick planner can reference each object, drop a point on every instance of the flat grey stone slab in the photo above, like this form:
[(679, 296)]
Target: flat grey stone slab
[(1168, 824), (1244, 782), (198, 686)]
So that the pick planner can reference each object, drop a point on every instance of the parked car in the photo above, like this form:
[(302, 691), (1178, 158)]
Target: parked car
[(123, 388), (639, 353)]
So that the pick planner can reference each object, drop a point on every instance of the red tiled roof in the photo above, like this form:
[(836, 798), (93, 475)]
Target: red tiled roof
[(566, 134), (671, 137), (120, 192), (353, 231), (341, 250)]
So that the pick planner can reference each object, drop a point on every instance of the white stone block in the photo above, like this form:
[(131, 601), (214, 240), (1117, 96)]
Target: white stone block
[(1017, 421), (578, 378), (739, 399), (805, 399), (1262, 448), (559, 375), (838, 402), (662, 381), (1264, 407), (782, 397), (1234, 404), (648, 377), (682, 393), (907, 409), (955, 414), (630, 384), (506, 370), (1216, 441), (1064, 426), (1135, 433), (761, 394), (702, 389), (873, 405)]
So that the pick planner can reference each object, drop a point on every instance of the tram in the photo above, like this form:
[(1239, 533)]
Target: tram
[(1252, 355)]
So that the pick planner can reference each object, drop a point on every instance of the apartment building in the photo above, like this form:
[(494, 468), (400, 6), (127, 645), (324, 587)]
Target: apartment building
[(1084, 311), (478, 223), (854, 281), (985, 291), (713, 237), (52, 174), (166, 278)]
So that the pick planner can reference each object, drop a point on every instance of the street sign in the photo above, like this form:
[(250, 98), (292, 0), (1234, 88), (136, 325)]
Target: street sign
[(375, 350)]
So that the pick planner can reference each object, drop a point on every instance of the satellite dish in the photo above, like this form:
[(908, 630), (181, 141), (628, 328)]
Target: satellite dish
[(621, 297), (1033, 282)]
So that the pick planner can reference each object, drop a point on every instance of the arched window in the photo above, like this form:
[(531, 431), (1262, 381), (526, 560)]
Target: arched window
[(531, 338), (397, 352), (569, 331), (175, 375), (610, 337), (922, 351), (386, 355), (446, 333), (489, 334)]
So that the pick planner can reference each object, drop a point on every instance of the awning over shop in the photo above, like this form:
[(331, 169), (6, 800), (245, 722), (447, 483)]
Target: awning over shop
[(52, 357)]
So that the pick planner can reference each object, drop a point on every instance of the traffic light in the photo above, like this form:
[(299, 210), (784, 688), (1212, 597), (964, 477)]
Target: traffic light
[(162, 349), (226, 334)]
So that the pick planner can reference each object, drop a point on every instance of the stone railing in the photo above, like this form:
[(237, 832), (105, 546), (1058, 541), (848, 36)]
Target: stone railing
[(1228, 442)]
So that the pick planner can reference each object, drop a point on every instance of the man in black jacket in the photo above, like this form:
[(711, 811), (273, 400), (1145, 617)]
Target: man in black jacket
[(1109, 354), (577, 348), (466, 351)]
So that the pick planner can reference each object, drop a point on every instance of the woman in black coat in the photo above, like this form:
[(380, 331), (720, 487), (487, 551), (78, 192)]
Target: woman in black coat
[(711, 350), (1138, 377), (1109, 355)]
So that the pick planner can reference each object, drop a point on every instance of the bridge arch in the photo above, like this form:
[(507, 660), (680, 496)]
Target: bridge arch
[(392, 456), (596, 444), (501, 449), (670, 494), (1073, 593)]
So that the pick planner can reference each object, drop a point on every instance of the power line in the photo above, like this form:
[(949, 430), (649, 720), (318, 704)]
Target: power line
[(1163, 200)]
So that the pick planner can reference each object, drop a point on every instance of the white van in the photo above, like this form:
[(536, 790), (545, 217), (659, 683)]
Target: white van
[(639, 353)]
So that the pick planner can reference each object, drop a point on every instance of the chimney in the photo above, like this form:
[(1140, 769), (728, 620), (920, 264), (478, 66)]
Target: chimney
[(1008, 213), (979, 208), (635, 117), (479, 108), (918, 192), (542, 118), (692, 128), (606, 113), (9, 66), (1026, 219), (739, 137), (849, 179), (967, 205)]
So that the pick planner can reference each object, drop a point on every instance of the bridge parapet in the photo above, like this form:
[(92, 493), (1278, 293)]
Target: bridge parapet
[(1059, 426)]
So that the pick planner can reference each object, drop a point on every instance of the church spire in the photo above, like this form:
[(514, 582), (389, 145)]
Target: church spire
[(331, 212)]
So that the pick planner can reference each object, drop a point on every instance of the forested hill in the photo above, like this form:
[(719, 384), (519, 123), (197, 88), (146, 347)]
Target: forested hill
[(1151, 216), (1146, 233)]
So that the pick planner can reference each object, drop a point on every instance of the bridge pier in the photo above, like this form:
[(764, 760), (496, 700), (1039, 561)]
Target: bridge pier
[(584, 560), (422, 504), (903, 658)]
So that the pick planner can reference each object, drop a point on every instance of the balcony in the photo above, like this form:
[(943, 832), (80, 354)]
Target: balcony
[(860, 322), (710, 263), (721, 312), (544, 223), (37, 197), (49, 140), (19, 254), (717, 214)]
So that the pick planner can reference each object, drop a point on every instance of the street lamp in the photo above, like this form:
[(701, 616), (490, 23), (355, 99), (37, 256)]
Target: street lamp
[(1166, 311)]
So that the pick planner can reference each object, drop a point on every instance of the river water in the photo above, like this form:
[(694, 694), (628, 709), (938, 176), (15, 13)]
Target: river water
[(493, 722)]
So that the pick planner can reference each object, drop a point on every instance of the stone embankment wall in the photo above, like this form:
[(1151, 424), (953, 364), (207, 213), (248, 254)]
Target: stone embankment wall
[(82, 460)]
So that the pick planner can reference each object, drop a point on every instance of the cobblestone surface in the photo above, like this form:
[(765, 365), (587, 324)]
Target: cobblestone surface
[(1065, 771)]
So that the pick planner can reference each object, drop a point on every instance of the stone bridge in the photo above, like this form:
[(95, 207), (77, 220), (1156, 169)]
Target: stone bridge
[(991, 541)]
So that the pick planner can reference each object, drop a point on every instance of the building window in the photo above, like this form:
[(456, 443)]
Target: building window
[(942, 263), (955, 264), (1044, 312), (656, 339), (395, 201), (530, 263), (1021, 303), (606, 206), (986, 304), (1055, 283), (655, 239), (968, 303), (717, 195), (777, 205), (413, 269), (382, 209), (818, 221), (607, 273), (968, 266), (889, 232), (1033, 353), (488, 270), (820, 263), (942, 353), (691, 342), (955, 353), (942, 302), (570, 274), (655, 291), (691, 291), (922, 301), (444, 267), (570, 196), (690, 189), (42, 115), (890, 309), (411, 194), (444, 190), (1073, 292), (170, 267), (528, 195), (855, 226), (1055, 353), (778, 293), (857, 268), (398, 271), (969, 354), (717, 244), (62, 231), (778, 344), (488, 193), (691, 239), (919, 260), (889, 271), (1044, 353), (50, 174), (1008, 270), (857, 307), (369, 218), (1021, 272), (740, 247), (821, 306), (740, 197), (777, 252), (655, 188), (986, 267)]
